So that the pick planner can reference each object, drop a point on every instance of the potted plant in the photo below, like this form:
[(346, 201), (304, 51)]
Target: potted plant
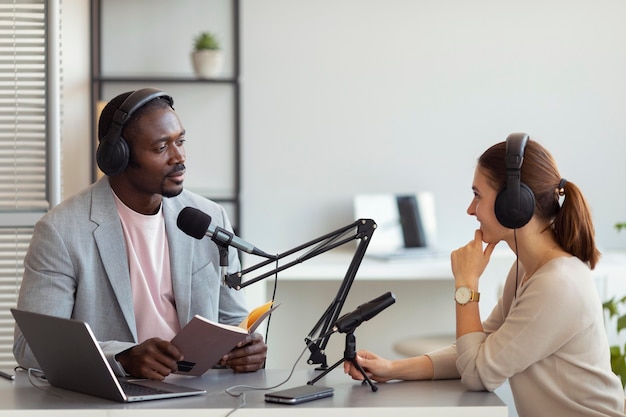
[(207, 55), (615, 308)]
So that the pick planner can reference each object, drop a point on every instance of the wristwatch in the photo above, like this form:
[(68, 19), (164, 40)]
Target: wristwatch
[(464, 295)]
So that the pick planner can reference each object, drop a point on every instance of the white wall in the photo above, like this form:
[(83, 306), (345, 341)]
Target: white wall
[(349, 96)]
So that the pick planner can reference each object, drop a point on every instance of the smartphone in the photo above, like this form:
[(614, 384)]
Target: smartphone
[(299, 394)]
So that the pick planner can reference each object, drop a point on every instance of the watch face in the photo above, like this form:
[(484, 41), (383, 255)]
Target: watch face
[(463, 295)]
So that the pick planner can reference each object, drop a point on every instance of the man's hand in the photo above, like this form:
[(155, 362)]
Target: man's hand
[(248, 356), (153, 359)]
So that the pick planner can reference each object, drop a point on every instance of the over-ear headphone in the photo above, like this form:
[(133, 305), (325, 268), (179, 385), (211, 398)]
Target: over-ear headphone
[(113, 153), (515, 203)]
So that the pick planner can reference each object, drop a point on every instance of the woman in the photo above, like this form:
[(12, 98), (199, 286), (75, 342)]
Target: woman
[(546, 335)]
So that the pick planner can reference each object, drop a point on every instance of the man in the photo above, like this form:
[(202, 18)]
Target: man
[(112, 255)]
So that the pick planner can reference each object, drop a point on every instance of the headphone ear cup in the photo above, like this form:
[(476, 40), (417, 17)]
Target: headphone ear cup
[(514, 217), (112, 155)]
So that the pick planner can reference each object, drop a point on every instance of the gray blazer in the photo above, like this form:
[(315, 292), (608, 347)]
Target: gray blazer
[(77, 267)]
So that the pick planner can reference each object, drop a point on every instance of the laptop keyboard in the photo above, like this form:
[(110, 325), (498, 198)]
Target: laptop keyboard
[(133, 390)]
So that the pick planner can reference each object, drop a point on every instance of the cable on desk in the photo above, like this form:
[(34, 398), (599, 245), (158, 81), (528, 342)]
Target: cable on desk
[(242, 395), (38, 374)]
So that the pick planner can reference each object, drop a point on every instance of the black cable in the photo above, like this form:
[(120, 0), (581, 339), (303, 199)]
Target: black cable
[(269, 318), (516, 262)]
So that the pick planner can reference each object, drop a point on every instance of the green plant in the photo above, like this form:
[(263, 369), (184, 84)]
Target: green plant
[(615, 308), (206, 41), (618, 353)]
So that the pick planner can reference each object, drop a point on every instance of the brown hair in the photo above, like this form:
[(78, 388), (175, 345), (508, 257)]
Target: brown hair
[(570, 221)]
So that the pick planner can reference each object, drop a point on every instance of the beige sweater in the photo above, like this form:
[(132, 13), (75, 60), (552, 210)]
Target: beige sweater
[(549, 340)]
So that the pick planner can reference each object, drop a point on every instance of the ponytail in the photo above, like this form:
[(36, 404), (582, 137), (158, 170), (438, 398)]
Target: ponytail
[(573, 226)]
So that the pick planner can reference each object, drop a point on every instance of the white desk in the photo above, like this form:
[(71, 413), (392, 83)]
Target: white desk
[(429, 398)]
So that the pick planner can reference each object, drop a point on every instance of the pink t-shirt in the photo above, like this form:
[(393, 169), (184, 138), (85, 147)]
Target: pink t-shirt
[(150, 274)]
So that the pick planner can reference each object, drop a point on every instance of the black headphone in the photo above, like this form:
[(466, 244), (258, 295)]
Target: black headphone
[(113, 153), (515, 203)]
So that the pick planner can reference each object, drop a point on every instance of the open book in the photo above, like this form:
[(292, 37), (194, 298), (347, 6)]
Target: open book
[(203, 342)]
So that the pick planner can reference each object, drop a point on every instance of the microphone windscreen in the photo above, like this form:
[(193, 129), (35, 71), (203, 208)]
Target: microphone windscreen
[(193, 222)]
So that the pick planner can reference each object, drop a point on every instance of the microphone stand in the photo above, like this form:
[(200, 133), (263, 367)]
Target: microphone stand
[(222, 248), (364, 230), (349, 354)]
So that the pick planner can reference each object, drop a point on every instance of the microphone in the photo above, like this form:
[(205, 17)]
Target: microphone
[(350, 321), (197, 224)]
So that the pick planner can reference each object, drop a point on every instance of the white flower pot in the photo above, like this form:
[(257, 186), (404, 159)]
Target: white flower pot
[(207, 63)]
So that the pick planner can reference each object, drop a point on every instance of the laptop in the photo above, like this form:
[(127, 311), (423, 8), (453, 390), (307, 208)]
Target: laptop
[(71, 358)]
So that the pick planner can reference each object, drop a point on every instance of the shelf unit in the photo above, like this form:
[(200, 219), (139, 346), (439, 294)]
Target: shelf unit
[(227, 88)]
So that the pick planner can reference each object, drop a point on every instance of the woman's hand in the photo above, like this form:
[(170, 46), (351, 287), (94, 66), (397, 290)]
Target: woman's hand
[(376, 367), (382, 370), (469, 262)]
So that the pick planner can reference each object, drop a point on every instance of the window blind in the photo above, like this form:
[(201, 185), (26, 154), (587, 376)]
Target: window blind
[(28, 139)]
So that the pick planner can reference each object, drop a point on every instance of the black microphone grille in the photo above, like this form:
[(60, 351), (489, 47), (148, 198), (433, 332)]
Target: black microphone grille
[(193, 222)]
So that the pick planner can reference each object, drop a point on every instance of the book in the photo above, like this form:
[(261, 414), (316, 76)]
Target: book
[(203, 342)]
